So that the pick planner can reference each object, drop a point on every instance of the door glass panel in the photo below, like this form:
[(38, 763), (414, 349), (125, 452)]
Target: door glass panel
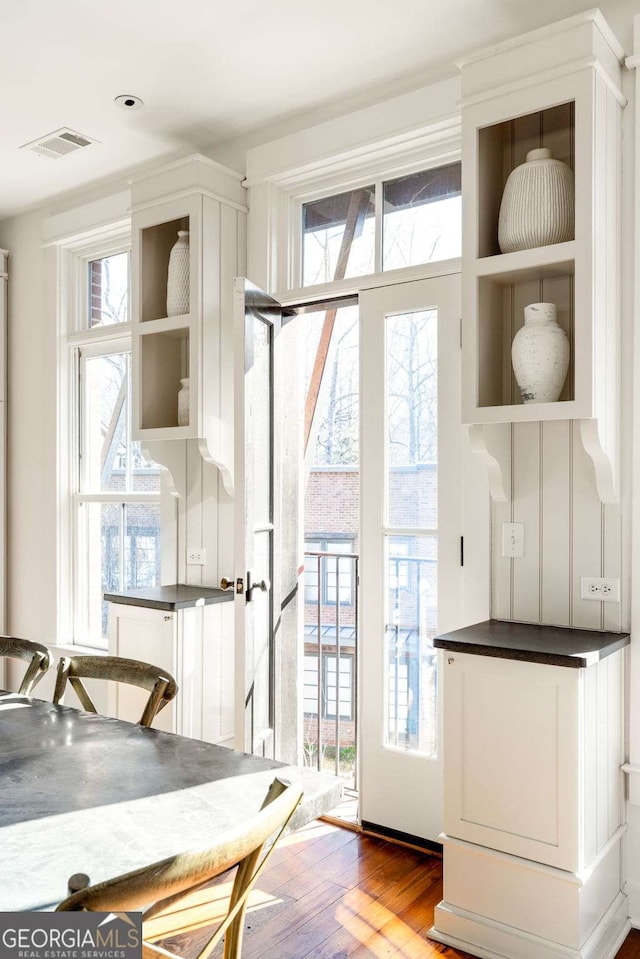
[(259, 390), (412, 419), (411, 660), (338, 236), (422, 219), (411, 403)]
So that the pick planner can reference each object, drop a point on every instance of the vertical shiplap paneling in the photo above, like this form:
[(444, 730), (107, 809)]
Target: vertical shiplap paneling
[(587, 534), (568, 532), (555, 523), (589, 680), (559, 290), (602, 747), (615, 741), (612, 557), (501, 566), (231, 264), (557, 132), (526, 509), (193, 507)]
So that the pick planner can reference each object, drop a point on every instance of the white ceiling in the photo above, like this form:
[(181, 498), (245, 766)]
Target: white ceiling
[(211, 71)]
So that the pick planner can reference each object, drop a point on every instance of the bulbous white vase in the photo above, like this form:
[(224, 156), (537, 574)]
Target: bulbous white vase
[(178, 276), (540, 355), (538, 203), (183, 403)]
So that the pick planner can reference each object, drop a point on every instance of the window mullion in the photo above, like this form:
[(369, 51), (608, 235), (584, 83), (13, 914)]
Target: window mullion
[(378, 220), (123, 546)]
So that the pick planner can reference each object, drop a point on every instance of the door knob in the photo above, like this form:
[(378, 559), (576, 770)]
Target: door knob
[(262, 584), (237, 584)]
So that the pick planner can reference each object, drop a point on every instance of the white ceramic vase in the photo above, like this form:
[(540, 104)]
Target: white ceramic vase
[(538, 203), (178, 279), (540, 355), (183, 403)]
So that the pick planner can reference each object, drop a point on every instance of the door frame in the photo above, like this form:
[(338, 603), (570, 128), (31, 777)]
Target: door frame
[(391, 810)]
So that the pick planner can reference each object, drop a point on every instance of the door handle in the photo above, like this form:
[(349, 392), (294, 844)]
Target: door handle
[(262, 584), (238, 584)]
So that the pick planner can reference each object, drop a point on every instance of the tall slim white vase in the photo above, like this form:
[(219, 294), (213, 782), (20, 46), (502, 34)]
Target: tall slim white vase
[(178, 276)]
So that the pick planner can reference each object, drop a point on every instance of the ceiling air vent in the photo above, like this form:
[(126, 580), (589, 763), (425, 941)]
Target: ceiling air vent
[(58, 143)]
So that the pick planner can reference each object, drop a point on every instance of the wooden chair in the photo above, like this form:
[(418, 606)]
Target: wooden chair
[(37, 655), (169, 895), (73, 669)]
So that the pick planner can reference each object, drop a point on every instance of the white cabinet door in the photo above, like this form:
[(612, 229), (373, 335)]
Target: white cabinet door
[(193, 645), (511, 742), (150, 635)]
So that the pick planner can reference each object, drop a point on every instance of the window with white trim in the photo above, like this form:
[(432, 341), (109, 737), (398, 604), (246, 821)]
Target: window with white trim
[(114, 530), (387, 225)]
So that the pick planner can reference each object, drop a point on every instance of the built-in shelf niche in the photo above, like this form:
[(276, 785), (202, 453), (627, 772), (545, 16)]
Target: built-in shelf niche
[(504, 146), (164, 362), (156, 244), (501, 302)]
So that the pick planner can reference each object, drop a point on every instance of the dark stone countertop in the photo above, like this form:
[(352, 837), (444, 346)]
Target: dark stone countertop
[(171, 597), (550, 645)]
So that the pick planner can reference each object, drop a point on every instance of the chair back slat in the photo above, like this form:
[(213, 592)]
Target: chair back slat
[(35, 654), (159, 888), (158, 682)]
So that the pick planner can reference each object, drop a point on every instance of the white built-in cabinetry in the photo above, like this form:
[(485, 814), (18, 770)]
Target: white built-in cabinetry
[(533, 794), (207, 200), (189, 632), (558, 87)]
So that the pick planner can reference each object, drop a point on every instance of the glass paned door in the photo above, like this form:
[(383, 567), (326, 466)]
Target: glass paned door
[(258, 322), (411, 494)]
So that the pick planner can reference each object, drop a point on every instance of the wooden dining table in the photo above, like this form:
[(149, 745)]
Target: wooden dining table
[(84, 793)]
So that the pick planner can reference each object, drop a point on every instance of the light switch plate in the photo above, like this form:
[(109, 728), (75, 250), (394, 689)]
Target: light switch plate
[(513, 540)]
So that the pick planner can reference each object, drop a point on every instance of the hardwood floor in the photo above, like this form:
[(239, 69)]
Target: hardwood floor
[(329, 893)]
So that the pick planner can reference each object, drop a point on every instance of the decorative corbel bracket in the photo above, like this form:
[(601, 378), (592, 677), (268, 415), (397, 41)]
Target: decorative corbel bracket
[(171, 457), (492, 443)]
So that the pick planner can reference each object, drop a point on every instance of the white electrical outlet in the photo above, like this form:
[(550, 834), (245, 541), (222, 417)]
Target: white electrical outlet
[(600, 589), (196, 557), (513, 540)]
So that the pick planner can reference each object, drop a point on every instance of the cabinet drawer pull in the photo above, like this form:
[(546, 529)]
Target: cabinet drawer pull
[(450, 659)]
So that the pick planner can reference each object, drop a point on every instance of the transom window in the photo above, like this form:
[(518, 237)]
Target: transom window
[(382, 226)]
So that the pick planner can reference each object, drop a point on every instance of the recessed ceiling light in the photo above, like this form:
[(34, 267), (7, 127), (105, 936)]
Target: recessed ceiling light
[(128, 102)]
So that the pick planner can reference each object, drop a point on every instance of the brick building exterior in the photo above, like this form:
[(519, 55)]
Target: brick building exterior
[(332, 526)]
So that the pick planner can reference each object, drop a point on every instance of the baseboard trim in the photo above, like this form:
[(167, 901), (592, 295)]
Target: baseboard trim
[(632, 890), (488, 939)]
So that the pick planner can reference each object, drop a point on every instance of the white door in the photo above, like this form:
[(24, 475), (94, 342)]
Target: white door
[(257, 324), (411, 575)]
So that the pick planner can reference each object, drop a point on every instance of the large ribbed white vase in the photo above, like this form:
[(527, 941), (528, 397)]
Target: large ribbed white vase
[(540, 355), (178, 276), (538, 204)]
